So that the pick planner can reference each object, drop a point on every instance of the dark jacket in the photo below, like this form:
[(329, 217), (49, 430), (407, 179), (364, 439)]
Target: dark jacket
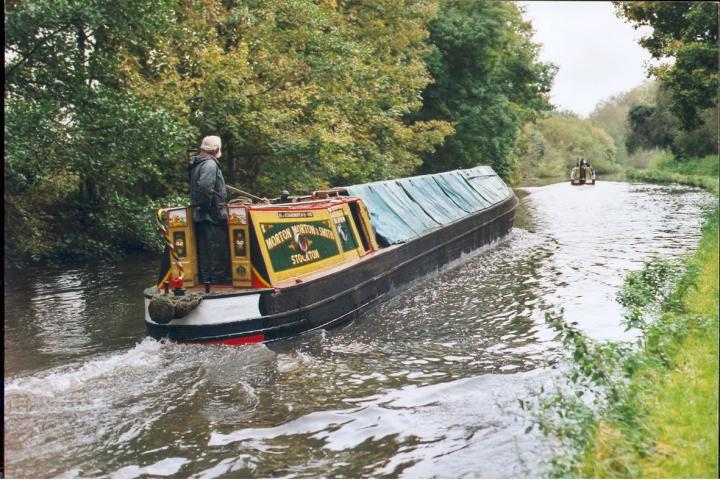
[(207, 190)]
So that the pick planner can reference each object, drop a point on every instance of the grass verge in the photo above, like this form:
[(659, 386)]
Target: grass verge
[(666, 423), (699, 172)]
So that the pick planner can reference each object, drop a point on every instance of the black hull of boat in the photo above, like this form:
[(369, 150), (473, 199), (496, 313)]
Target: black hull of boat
[(343, 295)]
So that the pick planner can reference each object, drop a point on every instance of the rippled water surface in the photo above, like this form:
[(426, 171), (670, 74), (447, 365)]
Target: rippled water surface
[(426, 385)]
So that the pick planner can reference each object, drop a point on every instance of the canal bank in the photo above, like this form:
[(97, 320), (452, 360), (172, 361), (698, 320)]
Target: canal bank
[(699, 172), (664, 421)]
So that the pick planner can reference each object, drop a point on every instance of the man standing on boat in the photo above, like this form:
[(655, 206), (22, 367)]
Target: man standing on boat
[(208, 196)]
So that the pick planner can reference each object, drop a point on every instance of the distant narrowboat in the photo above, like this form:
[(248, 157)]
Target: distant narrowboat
[(303, 263), (582, 174)]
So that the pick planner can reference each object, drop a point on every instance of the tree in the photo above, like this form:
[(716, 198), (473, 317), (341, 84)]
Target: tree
[(611, 115), (304, 94), (102, 99), (688, 33), (487, 82), (83, 153), (655, 125), (650, 127), (551, 146)]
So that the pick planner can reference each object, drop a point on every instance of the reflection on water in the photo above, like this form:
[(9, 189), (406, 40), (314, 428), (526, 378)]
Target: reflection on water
[(424, 385), (57, 314)]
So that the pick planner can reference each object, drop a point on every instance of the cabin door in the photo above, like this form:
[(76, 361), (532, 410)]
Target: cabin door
[(361, 218)]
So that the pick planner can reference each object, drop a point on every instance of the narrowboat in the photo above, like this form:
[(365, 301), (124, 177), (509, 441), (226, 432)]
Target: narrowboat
[(301, 263), (582, 174)]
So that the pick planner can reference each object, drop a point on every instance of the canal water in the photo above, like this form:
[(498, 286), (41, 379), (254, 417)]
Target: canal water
[(426, 385)]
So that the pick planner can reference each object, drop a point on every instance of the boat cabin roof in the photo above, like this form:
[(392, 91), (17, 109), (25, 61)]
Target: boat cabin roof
[(311, 204)]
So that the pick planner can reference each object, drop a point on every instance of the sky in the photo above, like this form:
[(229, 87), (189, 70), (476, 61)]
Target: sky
[(597, 52)]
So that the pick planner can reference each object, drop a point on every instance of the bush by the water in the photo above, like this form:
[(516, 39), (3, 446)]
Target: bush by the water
[(699, 172)]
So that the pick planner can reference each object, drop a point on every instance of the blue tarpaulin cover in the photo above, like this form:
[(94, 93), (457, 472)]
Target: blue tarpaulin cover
[(461, 192), (484, 181), (425, 191), (403, 209), (389, 226), (411, 209)]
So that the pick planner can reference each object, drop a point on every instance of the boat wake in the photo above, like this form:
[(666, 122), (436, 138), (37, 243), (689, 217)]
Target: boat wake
[(117, 400), (146, 354)]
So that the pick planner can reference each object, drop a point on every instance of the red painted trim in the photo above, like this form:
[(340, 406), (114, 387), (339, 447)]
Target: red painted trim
[(256, 281), (238, 341)]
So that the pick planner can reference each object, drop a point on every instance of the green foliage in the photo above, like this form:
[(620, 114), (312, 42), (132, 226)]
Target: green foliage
[(487, 82), (650, 127), (612, 116), (304, 94), (102, 99), (684, 115), (699, 172), (643, 158), (594, 383), (700, 141), (705, 166), (675, 389), (653, 125), (687, 32), (647, 288), (551, 146), (83, 151)]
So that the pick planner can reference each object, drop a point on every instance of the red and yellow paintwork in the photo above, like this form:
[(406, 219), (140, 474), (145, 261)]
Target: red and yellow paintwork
[(247, 221)]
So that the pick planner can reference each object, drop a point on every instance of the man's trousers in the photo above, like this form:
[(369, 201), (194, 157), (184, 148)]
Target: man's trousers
[(213, 252)]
